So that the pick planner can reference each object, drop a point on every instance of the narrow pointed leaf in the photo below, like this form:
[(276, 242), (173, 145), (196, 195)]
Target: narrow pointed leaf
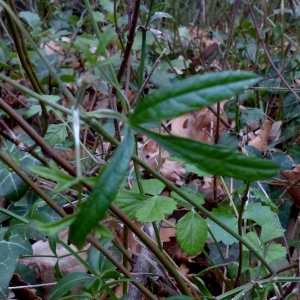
[(191, 233), (215, 159), (94, 209), (191, 94), (67, 283)]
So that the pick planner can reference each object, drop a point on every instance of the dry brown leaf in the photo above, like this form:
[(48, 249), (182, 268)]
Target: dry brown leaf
[(184, 269), (173, 171), (44, 266), (275, 132), (167, 231), (23, 293), (260, 142)]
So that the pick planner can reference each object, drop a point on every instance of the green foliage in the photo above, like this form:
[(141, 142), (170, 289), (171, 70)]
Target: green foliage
[(11, 249), (179, 90), (191, 233), (94, 209), (191, 94), (67, 283), (219, 233), (216, 160), (155, 208), (13, 187)]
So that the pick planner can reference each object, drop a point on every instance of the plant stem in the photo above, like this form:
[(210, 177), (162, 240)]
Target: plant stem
[(61, 212), (240, 228), (174, 188)]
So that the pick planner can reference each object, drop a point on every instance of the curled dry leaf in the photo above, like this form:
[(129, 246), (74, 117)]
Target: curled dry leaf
[(173, 171), (24, 293), (260, 142), (275, 132), (197, 125)]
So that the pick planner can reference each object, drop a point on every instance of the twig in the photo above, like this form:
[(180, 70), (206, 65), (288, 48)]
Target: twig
[(268, 54), (148, 78)]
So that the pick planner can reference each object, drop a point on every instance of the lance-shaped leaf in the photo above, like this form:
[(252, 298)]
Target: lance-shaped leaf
[(191, 94), (94, 209), (215, 159)]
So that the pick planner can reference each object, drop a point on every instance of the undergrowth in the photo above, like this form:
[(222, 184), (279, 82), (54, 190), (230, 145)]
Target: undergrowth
[(149, 149)]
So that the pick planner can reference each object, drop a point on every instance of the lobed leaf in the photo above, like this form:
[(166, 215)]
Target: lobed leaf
[(94, 209), (155, 208), (130, 202), (215, 159), (191, 94)]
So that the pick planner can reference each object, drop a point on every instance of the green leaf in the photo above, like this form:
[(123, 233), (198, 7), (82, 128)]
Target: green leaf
[(227, 219), (249, 114), (180, 297), (56, 134), (191, 94), (191, 233), (275, 251), (194, 169), (202, 287), (155, 208), (67, 283), (151, 187), (270, 231), (265, 199), (260, 214), (199, 199), (94, 209), (215, 159), (294, 152), (229, 140), (160, 15), (33, 20), (65, 180), (56, 227), (12, 186), (10, 252), (130, 202), (98, 16), (98, 261)]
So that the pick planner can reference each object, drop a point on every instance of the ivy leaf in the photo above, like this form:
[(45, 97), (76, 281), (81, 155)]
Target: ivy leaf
[(260, 214), (67, 283), (191, 94), (33, 20), (191, 233), (155, 208), (130, 202), (270, 232), (11, 250), (12, 186), (105, 191), (151, 186), (215, 159), (226, 218)]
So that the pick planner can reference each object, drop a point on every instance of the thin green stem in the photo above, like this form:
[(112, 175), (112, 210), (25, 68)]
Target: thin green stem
[(174, 188), (240, 229)]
